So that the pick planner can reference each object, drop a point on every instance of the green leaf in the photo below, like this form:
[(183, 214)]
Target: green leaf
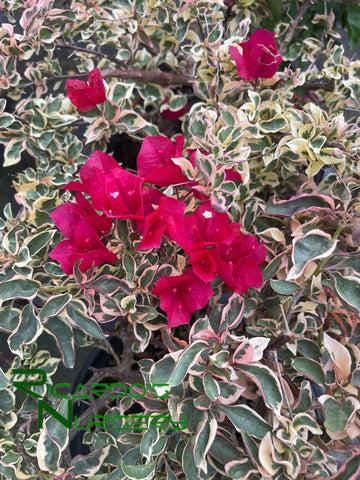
[(109, 285), (240, 469), (4, 382), (131, 120), (64, 338), (139, 472), (203, 440), (350, 470), (348, 289), (18, 287), (246, 420), (39, 241), (223, 450), (189, 466), (148, 440), (337, 414), (216, 33), (309, 349), (177, 102), (197, 129), (45, 138), (303, 420), (56, 430), (186, 360), (310, 368), (121, 91), (7, 401), (272, 268), (54, 305), (90, 464), (47, 35), (9, 318), (76, 311), (211, 387), (129, 265), (12, 152), (272, 126), (48, 453), (162, 370), (352, 13), (267, 383), (231, 313), (27, 331), (314, 245), (6, 119), (300, 203), (275, 8), (170, 475), (284, 287)]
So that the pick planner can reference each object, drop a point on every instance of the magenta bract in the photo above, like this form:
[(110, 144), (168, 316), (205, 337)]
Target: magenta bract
[(182, 295), (238, 262), (84, 245), (85, 95), (154, 162), (260, 57)]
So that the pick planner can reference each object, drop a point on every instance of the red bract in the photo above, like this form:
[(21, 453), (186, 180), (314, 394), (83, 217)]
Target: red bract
[(85, 95), (99, 163), (123, 192), (151, 200), (238, 262), (68, 215), (165, 220), (203, 264), (260, 57), (85, 245), (154, 162), (113, 190), (205, 226), (182, 295)]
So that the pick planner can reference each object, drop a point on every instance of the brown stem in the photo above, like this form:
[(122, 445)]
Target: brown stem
[(150, 76), (91, 52), (294, 24), (293, 303), (155, 76), (281, 380), (277, 344), (327, 86)]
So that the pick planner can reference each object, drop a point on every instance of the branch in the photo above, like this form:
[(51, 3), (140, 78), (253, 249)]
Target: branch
[(293, 303), (98, 53), (161, 78), (294, 25), (150, 76), (158, 77)]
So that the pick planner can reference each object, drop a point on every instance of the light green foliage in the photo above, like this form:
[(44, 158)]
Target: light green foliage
[(259, 385)]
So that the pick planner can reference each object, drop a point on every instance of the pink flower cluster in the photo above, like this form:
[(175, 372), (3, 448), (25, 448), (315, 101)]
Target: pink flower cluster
[(213, 245)]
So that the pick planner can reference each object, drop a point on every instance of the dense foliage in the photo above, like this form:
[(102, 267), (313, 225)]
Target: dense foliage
[(221, 276)]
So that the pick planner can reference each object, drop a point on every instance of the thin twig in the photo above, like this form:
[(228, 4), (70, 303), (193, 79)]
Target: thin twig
[(282, 384), (98, 53), (202, 34), (147, 76), (293, 303), (287, 329), (294, 24), (150, 76), (109, 347)]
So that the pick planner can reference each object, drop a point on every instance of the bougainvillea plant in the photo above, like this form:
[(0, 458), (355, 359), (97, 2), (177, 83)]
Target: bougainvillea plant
[(180, 269)]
